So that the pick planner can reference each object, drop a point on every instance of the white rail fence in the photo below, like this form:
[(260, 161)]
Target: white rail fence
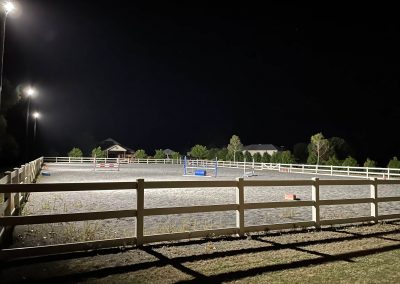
[(342, 171), (12, 202), (240, 206)]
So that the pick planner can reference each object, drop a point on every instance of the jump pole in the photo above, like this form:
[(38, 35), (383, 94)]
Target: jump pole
[(184, 166), (216, 167)]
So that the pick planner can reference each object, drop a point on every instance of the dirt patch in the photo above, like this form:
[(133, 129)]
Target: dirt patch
[(358, 254)]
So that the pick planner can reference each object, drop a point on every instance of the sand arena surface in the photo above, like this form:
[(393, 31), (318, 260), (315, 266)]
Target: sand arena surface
[(69, 202)]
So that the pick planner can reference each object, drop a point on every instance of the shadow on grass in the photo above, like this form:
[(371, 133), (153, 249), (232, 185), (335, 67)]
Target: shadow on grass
[(178, 262)]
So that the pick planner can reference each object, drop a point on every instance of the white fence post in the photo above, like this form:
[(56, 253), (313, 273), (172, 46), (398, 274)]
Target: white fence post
[(140, 211), (16, 194), (8, 196), (315, 198), (240, 203), (388, 173), (374, 203)]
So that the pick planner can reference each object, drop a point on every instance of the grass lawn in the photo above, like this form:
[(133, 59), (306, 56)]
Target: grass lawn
[(359, 254)]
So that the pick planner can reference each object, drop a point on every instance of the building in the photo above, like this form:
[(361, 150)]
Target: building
[(114, 149), (262, 148)]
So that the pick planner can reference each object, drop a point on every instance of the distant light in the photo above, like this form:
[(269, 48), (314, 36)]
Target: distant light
[(30, 91), (36, 115), (9, 7)]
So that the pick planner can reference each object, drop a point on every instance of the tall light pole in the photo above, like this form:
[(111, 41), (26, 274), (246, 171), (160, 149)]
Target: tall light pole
[(7, 7), (29, 93), (36, 115)]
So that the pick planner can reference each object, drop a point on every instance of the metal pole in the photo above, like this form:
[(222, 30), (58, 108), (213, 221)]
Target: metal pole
[(3, 39), (26, 129), (34, 137)]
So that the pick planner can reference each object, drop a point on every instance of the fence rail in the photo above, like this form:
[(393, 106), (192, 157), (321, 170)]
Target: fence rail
[(340, 171), (240, 206), (12, 201)]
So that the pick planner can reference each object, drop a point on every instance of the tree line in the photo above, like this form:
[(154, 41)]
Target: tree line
[(334, 151)]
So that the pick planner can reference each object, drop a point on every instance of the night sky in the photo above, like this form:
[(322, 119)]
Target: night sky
[(174, 75)]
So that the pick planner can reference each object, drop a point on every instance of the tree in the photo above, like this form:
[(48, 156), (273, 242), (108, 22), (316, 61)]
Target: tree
[(312, 158), (340, 148), (319, 146), (234, 146), (266, 158), (276, 158), (10, 107), (75, 152), (300, 152), (257, 157), (394, 163), (286, 157), (159, 154), (221, 154), (369, 163), (176, 155), (98, 153), (239, 156), (248, 157), (333, 161), (350, 162), (212, 153), (140, 154), (199, 152), (8, 149)]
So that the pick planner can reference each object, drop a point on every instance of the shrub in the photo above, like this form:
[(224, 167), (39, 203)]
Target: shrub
[(350, 162), (369, 163), (140, 154), (98, 153), (266, 158), (159, 154), (394, 163), (333, 161), (199, 152), (75, 152)]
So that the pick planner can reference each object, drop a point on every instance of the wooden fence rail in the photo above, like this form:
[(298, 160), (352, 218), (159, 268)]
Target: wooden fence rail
[(240, 206), (340, 171), (12, 202)]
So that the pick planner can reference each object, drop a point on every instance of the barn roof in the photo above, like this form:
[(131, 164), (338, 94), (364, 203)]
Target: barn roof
[(262, 147)]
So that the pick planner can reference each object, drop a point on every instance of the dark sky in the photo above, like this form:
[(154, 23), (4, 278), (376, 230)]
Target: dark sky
[(171, 76)]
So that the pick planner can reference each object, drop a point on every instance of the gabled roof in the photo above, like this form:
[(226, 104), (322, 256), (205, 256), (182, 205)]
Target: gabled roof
[(262, 147), (109, 142), (116, 148)]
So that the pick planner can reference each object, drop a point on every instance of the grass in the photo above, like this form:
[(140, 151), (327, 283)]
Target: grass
[(359, 254)]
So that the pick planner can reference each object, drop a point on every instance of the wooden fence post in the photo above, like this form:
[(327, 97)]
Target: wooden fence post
[(8, 196), (374, 203), (315, 198), (17, 194), (140, 211), (240, 203)]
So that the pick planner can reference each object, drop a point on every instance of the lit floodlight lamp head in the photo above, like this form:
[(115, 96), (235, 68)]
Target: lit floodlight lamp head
[(9, 7), (29, 91), (36, 115)]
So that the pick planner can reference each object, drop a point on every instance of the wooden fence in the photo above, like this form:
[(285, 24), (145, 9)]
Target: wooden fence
[(11, 202), (341, 171), (140, 212)]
